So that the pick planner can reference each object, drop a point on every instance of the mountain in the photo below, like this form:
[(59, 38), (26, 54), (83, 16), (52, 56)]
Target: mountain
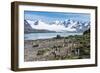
[(67, 22), (28, 28), (87, 31), (58, 26), (78, 25), (50, 27)]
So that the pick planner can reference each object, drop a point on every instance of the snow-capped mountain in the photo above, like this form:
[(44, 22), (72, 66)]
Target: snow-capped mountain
[(27, 27), (57, 26)]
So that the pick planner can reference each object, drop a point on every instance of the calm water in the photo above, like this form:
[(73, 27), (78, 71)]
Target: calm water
[(34, 36)]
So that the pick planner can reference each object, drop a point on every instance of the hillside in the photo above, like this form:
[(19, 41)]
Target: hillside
[(29, 29), (56, 26), (59, 48)]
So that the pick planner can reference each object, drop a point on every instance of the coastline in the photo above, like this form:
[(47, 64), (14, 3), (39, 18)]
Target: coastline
[(58, 48)]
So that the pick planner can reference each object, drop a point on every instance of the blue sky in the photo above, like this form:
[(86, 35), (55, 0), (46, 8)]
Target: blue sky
[(55, 16)]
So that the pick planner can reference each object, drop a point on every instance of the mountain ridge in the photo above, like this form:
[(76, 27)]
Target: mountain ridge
[(57, 26)]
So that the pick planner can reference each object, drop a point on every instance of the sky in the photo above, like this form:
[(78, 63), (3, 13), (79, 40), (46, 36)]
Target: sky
[(55, 16)]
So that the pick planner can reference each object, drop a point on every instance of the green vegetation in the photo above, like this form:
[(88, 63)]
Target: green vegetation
[(80, 51), (58, 37), (40, 52), (60, 48), (83, 43), (43, 51)]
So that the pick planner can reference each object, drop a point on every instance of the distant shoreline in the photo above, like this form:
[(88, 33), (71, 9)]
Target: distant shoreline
[(36, 36), (51, 32)]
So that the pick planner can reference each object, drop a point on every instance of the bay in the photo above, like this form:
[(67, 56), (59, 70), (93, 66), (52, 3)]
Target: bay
[(35, 36)]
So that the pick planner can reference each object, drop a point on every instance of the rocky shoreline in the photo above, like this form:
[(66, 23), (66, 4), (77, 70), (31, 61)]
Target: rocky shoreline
[(54, 49)]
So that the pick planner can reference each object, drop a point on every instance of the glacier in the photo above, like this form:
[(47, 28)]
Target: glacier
[(64, 26)]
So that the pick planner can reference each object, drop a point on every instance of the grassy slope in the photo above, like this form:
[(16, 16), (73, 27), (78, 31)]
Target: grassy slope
[(83, 44), (59, 48)]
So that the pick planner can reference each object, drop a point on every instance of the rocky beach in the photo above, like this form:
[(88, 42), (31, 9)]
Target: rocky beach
[(58, 48)]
